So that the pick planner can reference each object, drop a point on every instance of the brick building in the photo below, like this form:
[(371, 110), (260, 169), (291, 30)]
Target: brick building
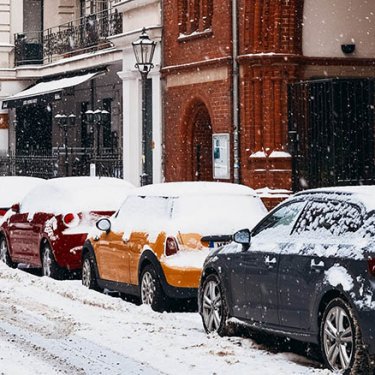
[(320, 46)]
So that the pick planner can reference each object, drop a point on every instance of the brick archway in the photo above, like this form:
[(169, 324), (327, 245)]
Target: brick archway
[(201, 143)]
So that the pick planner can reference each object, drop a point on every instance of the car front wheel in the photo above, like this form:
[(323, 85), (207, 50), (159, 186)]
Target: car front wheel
[(214, 309), (151, 290), (88, 274), (341, 339), (4, 253), (49, 266)]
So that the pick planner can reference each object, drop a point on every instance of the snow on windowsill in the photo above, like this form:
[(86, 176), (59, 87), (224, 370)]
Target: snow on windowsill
[(273, 154)]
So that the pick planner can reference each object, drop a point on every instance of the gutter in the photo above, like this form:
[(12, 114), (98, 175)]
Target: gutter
[(235, 101)]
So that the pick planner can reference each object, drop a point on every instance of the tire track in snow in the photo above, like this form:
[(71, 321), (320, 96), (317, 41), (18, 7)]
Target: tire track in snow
[(53, 337)]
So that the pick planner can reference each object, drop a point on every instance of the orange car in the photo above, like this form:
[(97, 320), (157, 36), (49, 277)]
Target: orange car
[(151, 247)]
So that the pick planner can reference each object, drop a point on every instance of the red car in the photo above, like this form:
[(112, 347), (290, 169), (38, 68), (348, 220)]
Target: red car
[(48, 228)]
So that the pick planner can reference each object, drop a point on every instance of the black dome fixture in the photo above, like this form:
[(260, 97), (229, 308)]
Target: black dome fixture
[(348, 48)]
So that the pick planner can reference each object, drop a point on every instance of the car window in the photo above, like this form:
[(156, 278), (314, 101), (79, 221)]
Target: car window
[(281, 221), (331, 218), (143, 213), (368, 228)]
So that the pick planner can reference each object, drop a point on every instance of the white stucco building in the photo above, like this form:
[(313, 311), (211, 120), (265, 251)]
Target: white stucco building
[(67, 57)]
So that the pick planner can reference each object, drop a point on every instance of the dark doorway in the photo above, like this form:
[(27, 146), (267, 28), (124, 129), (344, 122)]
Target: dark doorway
[(331, 132), (34, 130), (202, 145)]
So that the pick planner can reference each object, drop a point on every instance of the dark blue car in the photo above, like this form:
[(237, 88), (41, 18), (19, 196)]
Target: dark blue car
[(306, 271)]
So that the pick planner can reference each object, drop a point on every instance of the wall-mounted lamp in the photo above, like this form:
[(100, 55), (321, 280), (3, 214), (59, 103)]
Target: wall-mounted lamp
[(348, 48)]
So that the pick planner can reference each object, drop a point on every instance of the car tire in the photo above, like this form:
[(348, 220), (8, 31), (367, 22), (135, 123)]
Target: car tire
[(151, 291), (88, 273), (49, 266), (341, 340), (4, 253), (214, 307)]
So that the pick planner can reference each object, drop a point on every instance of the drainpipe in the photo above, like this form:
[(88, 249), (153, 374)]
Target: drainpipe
[(235, 104)]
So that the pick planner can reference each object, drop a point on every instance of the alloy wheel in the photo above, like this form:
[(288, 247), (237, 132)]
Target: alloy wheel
[(147, 288), (47, 261), (3, 251), (338, 338), (212, 303), (86, 273)]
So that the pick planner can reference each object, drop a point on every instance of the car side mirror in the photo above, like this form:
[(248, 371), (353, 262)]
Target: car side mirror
[(16, 208), (104, 225), (242, 237)]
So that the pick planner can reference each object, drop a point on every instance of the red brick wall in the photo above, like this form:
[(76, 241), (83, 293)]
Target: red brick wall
[(177, 51), (264, 26), (180, 105)]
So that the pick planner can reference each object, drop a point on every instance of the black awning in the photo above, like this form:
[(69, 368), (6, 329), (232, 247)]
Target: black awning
[(45, 91)]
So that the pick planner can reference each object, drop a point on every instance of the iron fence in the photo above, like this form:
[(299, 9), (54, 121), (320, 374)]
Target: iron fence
[(332, 132), (56, 163)]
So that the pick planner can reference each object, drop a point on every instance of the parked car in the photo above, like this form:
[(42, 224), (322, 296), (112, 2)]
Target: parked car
[(306, 271), (151, 247), (13, 189), (47, 230)]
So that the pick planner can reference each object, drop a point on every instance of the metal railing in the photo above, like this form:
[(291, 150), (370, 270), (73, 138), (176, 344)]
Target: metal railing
[(50, 164), (75, 37)]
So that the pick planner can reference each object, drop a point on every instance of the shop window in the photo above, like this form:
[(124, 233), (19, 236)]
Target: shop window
[(194, 16)]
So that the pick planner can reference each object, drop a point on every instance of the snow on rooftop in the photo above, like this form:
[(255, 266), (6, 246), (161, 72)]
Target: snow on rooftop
[(175, 189)]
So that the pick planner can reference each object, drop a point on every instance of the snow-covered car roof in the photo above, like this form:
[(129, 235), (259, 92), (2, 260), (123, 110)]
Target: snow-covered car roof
[(77, 194), (364, 194), (177, 189), (14, 188)]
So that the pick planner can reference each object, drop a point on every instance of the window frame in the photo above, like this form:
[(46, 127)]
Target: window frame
[(313, 200), (256, 228)]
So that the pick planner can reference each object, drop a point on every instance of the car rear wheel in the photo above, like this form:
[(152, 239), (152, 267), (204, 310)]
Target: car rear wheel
[(152, 292), (88, 274), (4, 253), (49, 266), (214, 309), (341, 339)]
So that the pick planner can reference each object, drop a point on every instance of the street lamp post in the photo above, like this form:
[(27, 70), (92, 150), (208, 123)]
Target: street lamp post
[(144, 52), (65, 122), (97, 117)]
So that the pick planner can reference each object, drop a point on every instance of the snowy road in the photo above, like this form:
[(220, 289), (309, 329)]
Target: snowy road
[(50, 327)]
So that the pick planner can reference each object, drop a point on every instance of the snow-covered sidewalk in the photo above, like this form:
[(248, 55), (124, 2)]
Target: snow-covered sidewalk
[(50, 327)]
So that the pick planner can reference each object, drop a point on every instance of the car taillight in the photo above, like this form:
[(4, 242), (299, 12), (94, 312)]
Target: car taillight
[(2, 212), (371, 266), (71, 220), (171, 246)]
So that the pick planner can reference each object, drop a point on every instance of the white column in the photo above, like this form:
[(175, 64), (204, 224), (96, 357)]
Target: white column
[(157, 129), (132, 126)]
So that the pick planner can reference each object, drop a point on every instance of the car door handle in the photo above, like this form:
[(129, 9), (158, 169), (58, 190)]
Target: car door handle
[(270, 262), (317, 266)]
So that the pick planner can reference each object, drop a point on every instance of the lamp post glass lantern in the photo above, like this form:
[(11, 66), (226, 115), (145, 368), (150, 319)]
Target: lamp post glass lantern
[(144, 49), (64, 122)]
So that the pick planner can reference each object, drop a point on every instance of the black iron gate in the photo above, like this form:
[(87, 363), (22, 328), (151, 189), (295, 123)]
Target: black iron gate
[(331, 132)]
